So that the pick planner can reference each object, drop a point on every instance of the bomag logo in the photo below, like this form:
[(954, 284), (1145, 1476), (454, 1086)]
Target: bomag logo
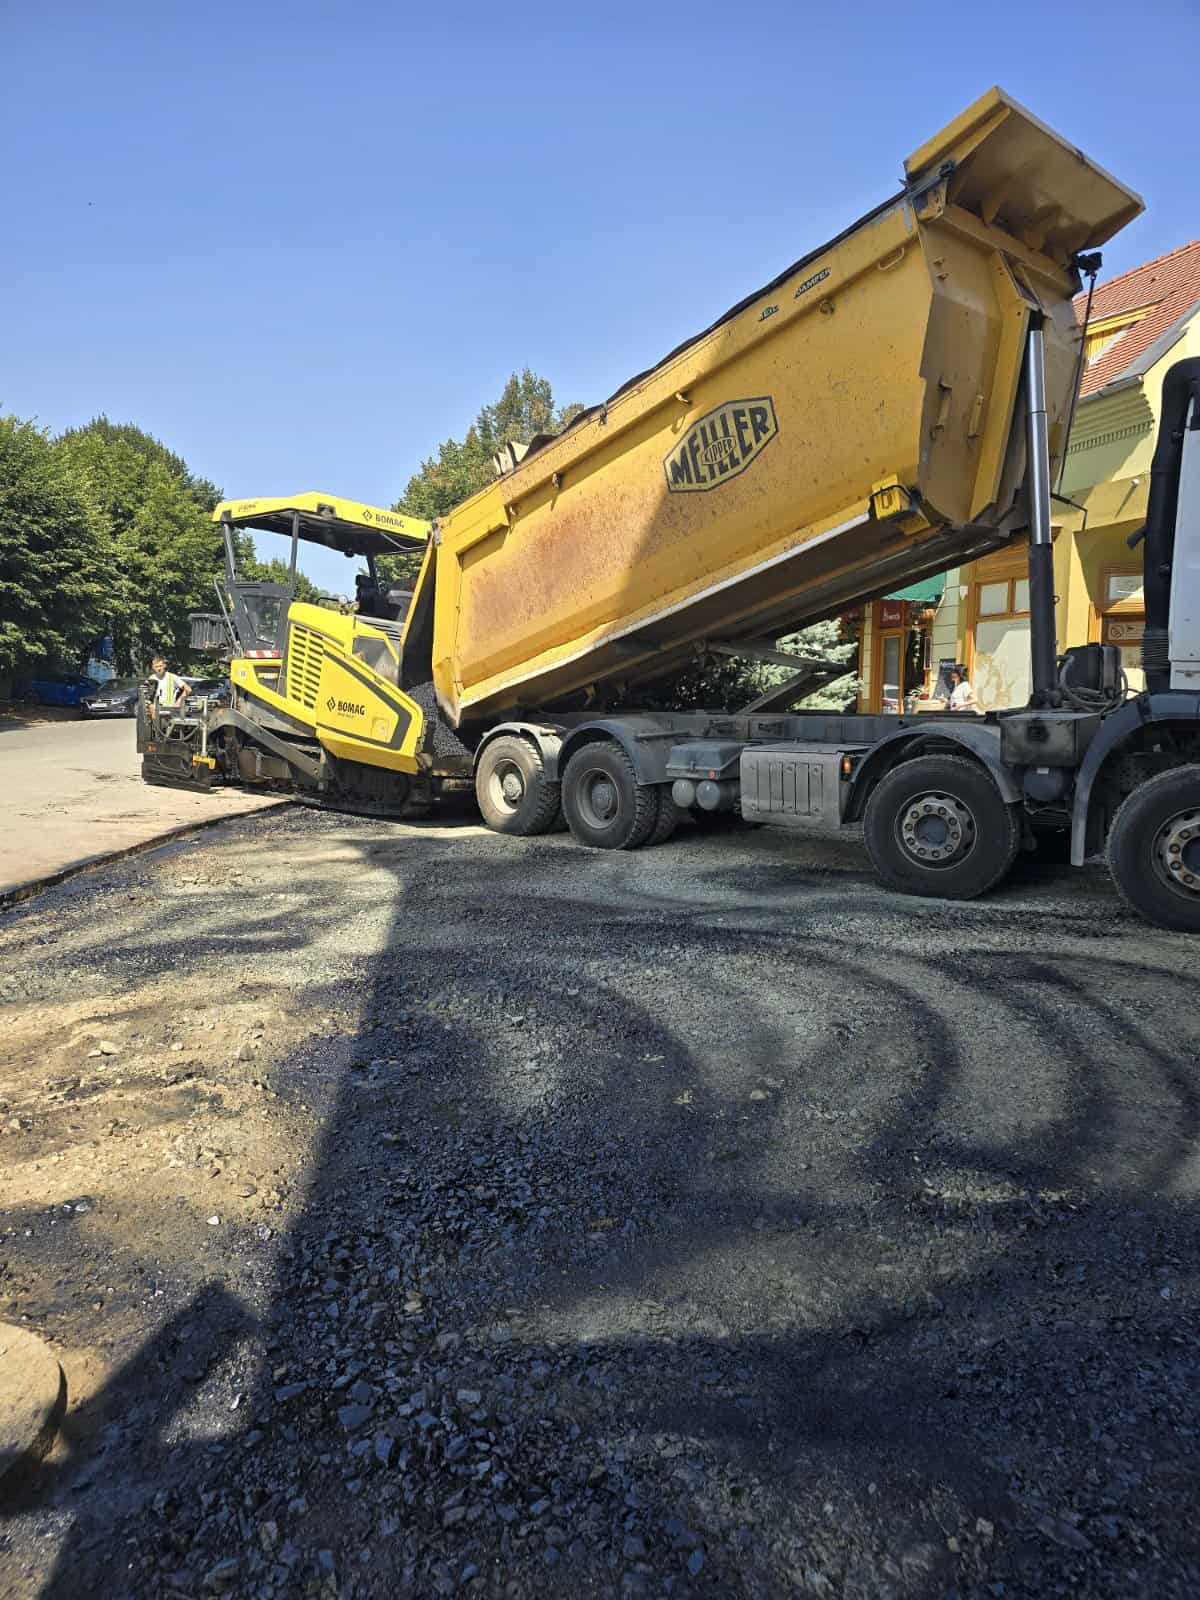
[(389, 519), (721, 445), (347, 708)]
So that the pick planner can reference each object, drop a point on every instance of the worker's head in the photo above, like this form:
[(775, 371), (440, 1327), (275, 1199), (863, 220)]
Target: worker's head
[(158, 666)]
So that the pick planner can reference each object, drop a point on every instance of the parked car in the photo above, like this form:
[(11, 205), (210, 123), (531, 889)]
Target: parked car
[(59, 689), (117, 698), (218, 689)]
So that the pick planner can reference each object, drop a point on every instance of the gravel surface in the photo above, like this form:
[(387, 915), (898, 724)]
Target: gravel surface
[(420, 1212)]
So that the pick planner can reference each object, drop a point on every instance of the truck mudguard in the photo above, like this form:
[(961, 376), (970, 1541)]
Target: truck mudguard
[(978, 739), (646, 740), (1116, 730), (546, 735)]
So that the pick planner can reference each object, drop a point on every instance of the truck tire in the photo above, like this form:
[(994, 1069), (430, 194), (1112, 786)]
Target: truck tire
[(605, 806), (1154, 850), (512, 789), (939, 826), (668, 817)]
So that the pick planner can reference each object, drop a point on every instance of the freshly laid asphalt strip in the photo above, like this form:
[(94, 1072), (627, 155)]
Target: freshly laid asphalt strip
[(699, 1221)]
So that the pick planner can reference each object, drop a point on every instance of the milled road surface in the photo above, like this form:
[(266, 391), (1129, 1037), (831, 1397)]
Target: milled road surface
[(73, 790), (419, 1212)]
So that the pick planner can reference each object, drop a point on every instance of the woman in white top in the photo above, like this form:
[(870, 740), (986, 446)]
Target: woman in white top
[(962, 696)]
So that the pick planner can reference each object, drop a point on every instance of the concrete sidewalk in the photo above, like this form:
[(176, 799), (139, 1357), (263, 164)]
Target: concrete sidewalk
[(73, 793)]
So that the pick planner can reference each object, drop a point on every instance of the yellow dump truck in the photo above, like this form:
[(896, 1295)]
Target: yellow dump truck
[(892, 404)]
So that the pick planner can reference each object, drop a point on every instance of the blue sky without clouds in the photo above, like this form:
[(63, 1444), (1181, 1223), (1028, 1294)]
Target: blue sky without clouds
[(302, 244)]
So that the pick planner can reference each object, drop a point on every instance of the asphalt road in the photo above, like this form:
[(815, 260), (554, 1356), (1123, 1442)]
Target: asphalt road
[(73, 790), (419, 1212)]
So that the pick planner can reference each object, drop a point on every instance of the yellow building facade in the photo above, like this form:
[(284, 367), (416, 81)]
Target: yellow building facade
[(1141, 324)]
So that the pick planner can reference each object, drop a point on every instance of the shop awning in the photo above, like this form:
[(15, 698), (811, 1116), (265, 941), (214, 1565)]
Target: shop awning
[(928, 592)]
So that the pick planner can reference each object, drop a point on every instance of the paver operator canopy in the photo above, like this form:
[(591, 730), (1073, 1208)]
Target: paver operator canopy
[(347, 526), (255, 612)]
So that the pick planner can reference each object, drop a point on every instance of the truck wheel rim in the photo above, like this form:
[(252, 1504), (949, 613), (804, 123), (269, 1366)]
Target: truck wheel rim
[(935, 830), (1177, 851), (598, 799), (507, 786)]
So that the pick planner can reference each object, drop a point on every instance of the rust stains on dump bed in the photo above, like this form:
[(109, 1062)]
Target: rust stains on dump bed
[(851, 427)]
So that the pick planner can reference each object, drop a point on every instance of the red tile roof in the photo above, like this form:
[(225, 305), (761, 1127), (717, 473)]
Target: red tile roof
[(1169, 285)]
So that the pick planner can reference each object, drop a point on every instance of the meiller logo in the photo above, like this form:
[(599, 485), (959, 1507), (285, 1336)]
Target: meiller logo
[(720, 445)]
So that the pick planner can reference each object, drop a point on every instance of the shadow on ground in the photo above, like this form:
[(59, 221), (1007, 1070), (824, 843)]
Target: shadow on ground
[(671, 1233)]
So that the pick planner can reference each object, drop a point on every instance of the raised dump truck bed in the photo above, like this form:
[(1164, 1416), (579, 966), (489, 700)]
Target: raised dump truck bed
[(850, 428)]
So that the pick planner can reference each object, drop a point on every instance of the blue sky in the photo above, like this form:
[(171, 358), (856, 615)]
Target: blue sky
[(302, 244)]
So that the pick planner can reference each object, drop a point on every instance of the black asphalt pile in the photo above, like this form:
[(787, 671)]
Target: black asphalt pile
[(703, 1222)]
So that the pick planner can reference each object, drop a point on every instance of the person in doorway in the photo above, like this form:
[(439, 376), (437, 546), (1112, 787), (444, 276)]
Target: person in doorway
[(168, 691), (962, 696)]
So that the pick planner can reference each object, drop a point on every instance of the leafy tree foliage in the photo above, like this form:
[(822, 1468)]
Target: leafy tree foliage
[(824, 640), (462, 467), (724, 683), (155, 516), (277, 570), (56, 572)]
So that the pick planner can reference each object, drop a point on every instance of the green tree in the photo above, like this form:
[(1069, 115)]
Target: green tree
[(277, 570), (823, 640), (524, 409), (55, 570), (462, 467), (727, 683), (155, 515)]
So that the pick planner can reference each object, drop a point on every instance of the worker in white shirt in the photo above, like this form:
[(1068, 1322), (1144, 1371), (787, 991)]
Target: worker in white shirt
[(169, 690), (962, 696)]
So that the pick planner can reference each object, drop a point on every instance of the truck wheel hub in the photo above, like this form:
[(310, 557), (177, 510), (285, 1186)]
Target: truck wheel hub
[(508, 786), (936, 829), (1177, 850), (598, 798)]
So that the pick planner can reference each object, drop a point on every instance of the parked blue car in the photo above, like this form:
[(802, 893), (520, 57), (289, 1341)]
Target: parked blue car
[(61, 689)]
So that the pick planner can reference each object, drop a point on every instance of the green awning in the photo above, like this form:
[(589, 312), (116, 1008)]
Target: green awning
[(928, 592)]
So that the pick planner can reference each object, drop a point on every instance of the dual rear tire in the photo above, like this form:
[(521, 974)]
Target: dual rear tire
[(599, 797)]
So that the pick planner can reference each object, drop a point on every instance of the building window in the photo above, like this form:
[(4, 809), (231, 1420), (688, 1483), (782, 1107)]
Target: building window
[(1124, 591), (1107, 330), (1006, 597), (1000, 643)]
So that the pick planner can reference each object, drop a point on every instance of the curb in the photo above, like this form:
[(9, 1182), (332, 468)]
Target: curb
[(18, 892)]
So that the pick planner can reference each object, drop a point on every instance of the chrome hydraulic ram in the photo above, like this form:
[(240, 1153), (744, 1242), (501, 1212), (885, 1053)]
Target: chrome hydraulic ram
[(1043, 639)]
